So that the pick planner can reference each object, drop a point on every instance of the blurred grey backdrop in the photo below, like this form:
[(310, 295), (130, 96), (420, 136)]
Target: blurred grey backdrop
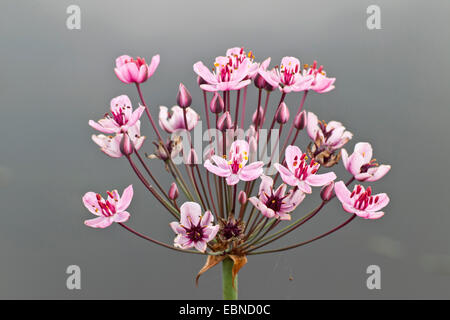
[(391, 90)]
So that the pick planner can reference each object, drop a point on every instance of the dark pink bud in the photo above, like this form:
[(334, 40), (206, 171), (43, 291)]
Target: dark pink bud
[(283, 113), (224, 122), (259, 82), (184, 98), (242, 197), (216, 105), (259, 117), (126, 146), (327, 191), (173, 191), (192, 158), (300, 120)]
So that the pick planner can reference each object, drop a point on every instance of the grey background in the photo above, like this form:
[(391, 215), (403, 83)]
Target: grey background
[(392, 90)]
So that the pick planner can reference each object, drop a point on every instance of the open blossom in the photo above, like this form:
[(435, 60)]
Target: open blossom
[(194, 230), (328, 138), (321, 82), (122, 116), (231, 72), (361, 202), (301, 174), (276, 203), (361, 165), (238, 55), (109, 210), (111, 144), (236, 167), (288, 77), (130, 70), (174, 120)]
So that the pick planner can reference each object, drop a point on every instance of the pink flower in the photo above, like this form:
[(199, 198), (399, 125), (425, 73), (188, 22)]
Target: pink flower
[(194, 230), (111, 144), (238, 55), (235, 169), (321, 82), (288, 77), (122, 116), (174, 120), (110, 210), (361, 202), (229, 73), (129, 70), (361, 165), (331, 135), (276, 203), (301, 174)]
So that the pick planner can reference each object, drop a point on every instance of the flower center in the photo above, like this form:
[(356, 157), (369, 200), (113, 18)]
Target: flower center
[(288, 73), (304, 169), (369, 165), (195, 233), (273, 202), (106, 207), (138, 62), (363, 199)]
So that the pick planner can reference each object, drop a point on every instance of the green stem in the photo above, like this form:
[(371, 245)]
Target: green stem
[(229, 293)]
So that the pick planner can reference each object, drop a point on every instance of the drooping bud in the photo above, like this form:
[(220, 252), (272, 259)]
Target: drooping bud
[(282, 113), (300, 120), (217, 105), (192, 158), (126, 146), (327, 191), (173, 191), (260, 117), (242, 197), (259, 82), (184, 98), (224, 122)]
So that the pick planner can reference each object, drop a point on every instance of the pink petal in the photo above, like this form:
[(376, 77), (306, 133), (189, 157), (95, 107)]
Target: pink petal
[(287, 176), (221, 172), (252, 171), (304, 187), (207, 219), (177, 228), (375, 215), (382, 202), (100, 128), (317, 180), (379, 172), (201, 70), (100, 222), (291, 153), (190, 213), (356, 161), (232, 179), (211, 232), (91, 203), (200, 246), (125, 199), (121, 216), (365, 150), (265, 187), (153, 65), (344, 156), (121, 77), (343, 194)]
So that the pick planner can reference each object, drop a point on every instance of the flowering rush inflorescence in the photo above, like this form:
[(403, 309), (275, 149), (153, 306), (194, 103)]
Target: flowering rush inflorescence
[(232, 207)]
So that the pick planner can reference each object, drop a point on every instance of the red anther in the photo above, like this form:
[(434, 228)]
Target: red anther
[(110, 194), (353, 193), (303, 156), (312, 163), (313, 171), (111, 207), (242, 50), (369, 191), (320, 69), (99, 197), (376, 199), (314, 64), (296, 68), (370, 200), (358, 188)]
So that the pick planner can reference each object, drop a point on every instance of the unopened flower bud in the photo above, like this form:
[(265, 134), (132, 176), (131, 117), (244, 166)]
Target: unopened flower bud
[(126, 146), (300, 121), (224, 122), (259, 82), (192, 158), (269, 87), (184, 98), (253, 145), (260, 117), (242, 197), (282, 113), (327, 191), (216, 105), (173, 191)]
